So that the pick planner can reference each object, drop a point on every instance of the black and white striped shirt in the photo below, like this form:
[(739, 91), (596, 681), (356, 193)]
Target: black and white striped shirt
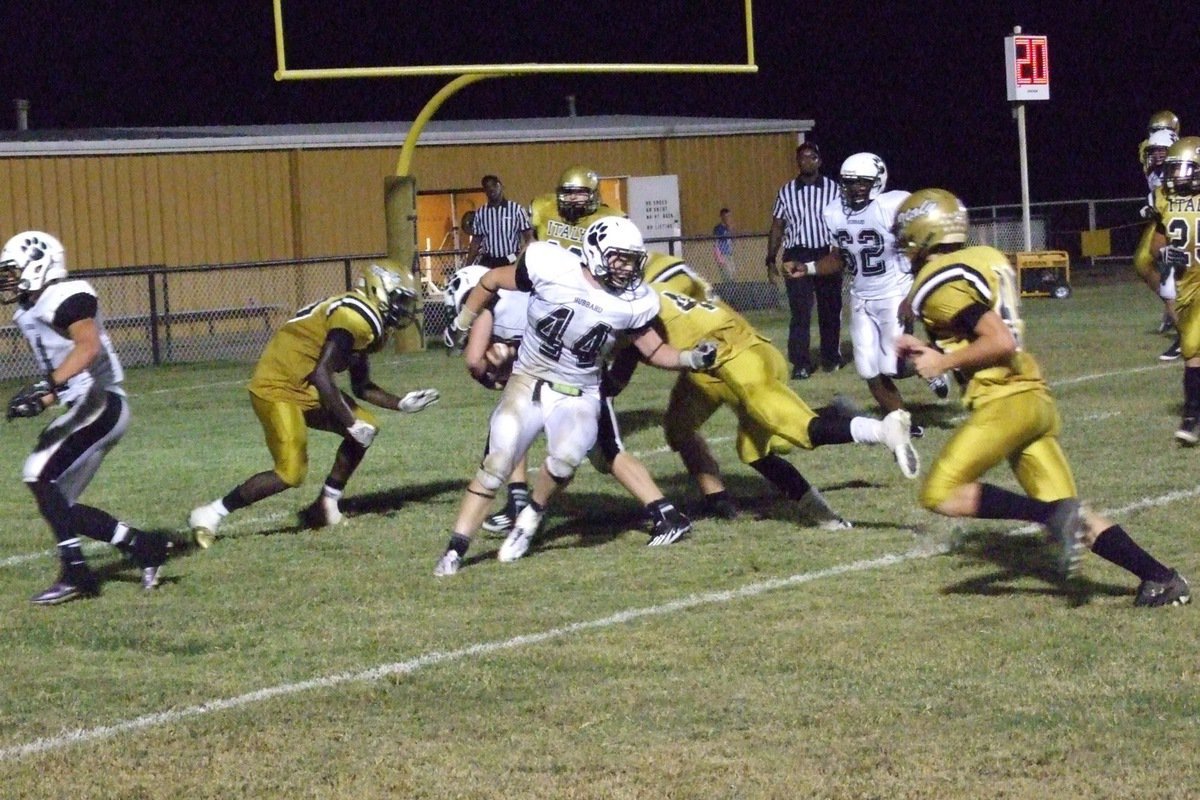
[(499, 228), (800, 206)]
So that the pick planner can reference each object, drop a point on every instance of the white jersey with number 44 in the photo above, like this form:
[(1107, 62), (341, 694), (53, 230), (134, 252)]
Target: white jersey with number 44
[(572, 325), (868, 246)]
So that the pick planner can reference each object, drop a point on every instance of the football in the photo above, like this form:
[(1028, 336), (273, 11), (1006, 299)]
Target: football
[(500, 358)]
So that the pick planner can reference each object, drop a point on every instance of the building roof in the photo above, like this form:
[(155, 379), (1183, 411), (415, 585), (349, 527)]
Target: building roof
[(110, 141)]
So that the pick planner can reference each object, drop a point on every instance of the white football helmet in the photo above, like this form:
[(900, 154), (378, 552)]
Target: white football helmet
[(863, 178), (456, 291), (28, 262), (614, 252)]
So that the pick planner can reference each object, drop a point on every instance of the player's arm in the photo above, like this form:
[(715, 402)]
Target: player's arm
[(336, 356), (829, 264), (657, 353), (472, 250), (618, 374), (478, 341), (774, 239), (484, 294), (367, 390), (993, 344), (78, 315)]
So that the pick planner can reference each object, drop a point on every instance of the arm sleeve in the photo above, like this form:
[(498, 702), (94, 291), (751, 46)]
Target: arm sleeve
[(74, 308)]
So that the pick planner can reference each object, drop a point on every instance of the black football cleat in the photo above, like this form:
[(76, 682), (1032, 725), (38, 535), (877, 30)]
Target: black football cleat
[(719, 507), (670, 529), (1174, 592), (1067, 526), (73, 583)]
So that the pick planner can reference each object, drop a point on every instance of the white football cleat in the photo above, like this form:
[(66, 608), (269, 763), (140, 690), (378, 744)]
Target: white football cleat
[(516, 544), (897, 435), (448, 564), (204, 521)]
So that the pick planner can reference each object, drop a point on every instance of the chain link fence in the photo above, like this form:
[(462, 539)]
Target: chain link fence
[(227, 312)]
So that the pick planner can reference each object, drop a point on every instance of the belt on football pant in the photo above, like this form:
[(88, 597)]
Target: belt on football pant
[(561, 388)]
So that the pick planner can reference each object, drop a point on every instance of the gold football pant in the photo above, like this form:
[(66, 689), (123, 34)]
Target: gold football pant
[(285, 428), (771, 417), (1187, 308), (1020, 428)]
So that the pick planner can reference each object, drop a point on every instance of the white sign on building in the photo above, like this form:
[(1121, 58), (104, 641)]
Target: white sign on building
[(654, 208)]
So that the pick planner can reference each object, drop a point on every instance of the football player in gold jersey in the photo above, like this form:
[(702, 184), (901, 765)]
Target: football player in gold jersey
[(563, 215), (1162, 132), (1176, 246), (293, 389), (968, 300), (751, 378)]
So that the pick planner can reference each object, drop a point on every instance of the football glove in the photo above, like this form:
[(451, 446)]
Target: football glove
[(701, 357), (1172, 260), (418, 400), (29, 402), (362, 432)]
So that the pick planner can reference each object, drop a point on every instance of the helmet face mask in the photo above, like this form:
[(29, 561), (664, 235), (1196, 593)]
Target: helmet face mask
[(28, 262), (863, 178), (615, 254), (578, 193), (393, 294), (1181, 168), (929, 218)]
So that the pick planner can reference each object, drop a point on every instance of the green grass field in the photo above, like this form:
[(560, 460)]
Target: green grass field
[(906, 658)]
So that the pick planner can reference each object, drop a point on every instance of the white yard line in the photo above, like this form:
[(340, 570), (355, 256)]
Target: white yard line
[(377, 673)]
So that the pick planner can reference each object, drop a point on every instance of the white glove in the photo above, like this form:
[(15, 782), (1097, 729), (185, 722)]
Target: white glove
[(461, 326), (417, 400), (362, 432), (700, 357)]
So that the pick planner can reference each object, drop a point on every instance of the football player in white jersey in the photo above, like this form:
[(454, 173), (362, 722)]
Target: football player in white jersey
[(862, 243), (489, 354), (577, 309), (60, 318)]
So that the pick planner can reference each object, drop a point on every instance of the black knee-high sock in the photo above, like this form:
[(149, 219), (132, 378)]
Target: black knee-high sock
[(1191, 391), (57, 512), (997, 503), (1115, 545), (781, 473)]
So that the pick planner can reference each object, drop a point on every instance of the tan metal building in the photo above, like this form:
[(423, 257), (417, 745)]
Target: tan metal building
[(191, 196)]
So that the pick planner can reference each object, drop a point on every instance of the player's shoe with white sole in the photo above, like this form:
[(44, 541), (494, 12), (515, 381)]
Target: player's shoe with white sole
[(815, 510), (670, 529), (323, 513), (1175, 592), (897, 435), (448, 564), (204, 521), (940, 386), (516, 544)]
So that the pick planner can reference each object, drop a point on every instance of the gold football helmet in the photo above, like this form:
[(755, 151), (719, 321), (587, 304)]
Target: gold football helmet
[(1163, 121), (578, 193), (928, 218), (394, 294), (1181, 169)]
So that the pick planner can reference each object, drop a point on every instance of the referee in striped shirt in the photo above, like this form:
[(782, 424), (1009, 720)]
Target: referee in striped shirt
[(797, 224), (500, 230)]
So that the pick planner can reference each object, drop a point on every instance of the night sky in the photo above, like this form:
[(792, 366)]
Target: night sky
[(920, 84)]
